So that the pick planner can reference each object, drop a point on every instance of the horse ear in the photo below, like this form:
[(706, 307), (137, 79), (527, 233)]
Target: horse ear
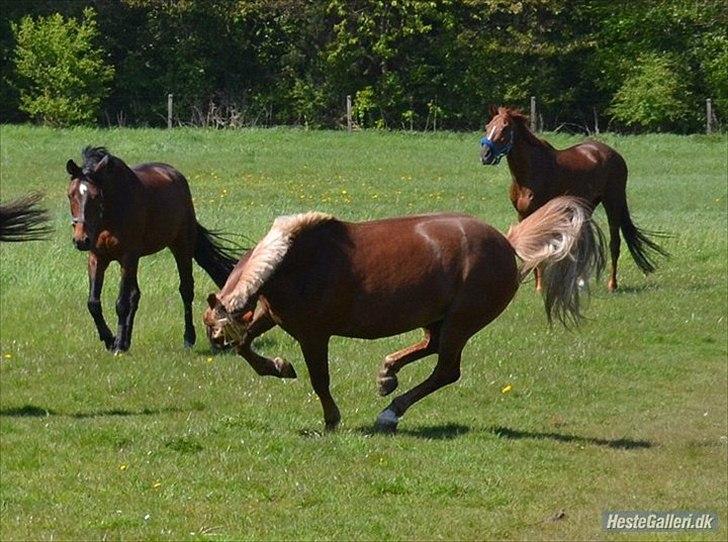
[(493, 110), (212, 301), (73, 170), (102, 164)]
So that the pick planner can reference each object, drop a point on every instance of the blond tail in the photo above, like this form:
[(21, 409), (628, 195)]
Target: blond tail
[(563, 240)]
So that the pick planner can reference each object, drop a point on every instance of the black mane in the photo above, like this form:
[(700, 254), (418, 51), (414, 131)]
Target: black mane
[(92, 156)]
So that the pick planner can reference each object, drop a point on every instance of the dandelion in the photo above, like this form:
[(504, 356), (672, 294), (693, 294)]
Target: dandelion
[(157, 485), (209, 360), (123, 467), (8, 356), (506, 389)]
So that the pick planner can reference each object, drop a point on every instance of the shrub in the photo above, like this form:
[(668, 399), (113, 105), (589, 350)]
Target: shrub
[(654, 96), (62, 77)]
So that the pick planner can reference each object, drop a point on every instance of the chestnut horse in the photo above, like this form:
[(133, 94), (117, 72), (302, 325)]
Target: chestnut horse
[(590, 170), (23, 220), (448, 274), (121, 214)]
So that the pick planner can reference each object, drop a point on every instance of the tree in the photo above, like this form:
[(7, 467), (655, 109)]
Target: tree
[(62, 75), (654, 96)]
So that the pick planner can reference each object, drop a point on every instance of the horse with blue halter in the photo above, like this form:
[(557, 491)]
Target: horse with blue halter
[(590, 170), (120, 214)]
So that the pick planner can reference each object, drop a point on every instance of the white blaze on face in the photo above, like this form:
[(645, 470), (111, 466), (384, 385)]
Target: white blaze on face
[(83, 188), (492, 131)]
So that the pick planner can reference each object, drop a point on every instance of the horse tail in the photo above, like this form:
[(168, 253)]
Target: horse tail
[(215, 254), (24, 220), (562, 238), (642, 248)]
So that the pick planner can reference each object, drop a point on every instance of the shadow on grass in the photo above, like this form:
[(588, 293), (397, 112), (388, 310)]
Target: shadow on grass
[(447, 431), (619, 444), (32, 411)]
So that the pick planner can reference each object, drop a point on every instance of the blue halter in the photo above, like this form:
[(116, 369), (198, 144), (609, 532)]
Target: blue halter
[(494, 150)]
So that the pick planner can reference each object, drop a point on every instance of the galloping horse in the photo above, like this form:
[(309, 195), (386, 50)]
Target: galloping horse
[(449, 274), (121, 214), (590, 170), (22, 220)]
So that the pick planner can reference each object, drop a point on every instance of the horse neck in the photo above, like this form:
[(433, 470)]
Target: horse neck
[(527, 151), (120, 193)]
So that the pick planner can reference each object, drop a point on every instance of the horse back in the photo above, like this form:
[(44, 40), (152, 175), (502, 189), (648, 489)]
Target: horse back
[(406, 271), (167, 211)]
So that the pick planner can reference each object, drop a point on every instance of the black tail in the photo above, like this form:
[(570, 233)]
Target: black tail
[(23, 220), (642, 248), (214, 256)]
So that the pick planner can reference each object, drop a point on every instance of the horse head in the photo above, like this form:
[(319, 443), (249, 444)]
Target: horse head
[(224, 329), (86, 195), (500, 134)]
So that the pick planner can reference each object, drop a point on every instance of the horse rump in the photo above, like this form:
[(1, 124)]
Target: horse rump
[(23, 220), (567, 244)]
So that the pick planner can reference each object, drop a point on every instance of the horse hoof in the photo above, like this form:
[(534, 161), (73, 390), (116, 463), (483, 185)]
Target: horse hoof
[(387, 384), (387, 421), (119, 352), (285, 369), (189, 345)]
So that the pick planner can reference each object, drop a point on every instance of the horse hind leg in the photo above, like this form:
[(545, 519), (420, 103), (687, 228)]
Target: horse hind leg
[(387, 378), (183, 259), (446, 371), (614, 214)]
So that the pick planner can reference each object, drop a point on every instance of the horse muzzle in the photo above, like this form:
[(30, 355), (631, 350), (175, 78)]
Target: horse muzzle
[(83, 244)]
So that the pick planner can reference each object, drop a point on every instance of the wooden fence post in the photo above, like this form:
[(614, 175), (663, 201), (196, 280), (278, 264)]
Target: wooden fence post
[(708, 116), (169, 110), (533, 114), (348, 113)]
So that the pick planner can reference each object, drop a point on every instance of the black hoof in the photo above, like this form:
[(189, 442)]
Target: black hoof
[(387, 384), (387, 421), (285, 369)]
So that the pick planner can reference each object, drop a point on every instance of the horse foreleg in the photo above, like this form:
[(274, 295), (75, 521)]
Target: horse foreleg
[(316, 354), (127, 303), (263, 366), (96, 270), (393, 363)]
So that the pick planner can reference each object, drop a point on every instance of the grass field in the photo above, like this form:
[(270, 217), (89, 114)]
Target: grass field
[(627, 413)]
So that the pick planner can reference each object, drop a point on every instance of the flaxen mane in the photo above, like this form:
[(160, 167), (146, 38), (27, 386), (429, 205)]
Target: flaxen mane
[(268, 254)]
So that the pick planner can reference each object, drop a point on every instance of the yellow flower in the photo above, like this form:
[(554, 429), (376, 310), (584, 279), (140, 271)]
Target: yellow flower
[(123, 467), (8, 356), (506, 389), (209, 360), (157, 485)]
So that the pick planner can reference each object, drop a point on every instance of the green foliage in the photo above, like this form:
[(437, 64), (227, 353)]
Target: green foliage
[(654, 96), (63, 75), (289, 62)]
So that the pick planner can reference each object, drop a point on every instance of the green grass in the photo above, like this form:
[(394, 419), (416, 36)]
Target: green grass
[(629, 412)]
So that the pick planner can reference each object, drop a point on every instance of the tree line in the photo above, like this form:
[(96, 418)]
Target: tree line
[(412, 64)]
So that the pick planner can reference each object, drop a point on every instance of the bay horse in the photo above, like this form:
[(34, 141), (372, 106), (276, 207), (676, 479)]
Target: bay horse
[(590, 170), (449, 274), (24, 220), (121, 214)]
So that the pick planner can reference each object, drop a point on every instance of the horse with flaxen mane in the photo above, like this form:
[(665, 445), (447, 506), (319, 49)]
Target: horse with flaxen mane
[(23, 220), (590, 170), (449, 274), (121, 214)]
